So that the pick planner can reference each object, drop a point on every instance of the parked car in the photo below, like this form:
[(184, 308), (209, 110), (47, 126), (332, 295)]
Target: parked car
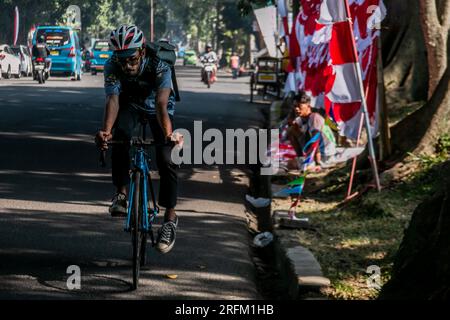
[(190, 58), (65, 50), (100, 53), (9, 62), (26, 65)]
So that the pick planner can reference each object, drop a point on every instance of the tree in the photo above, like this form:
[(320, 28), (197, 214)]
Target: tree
[(404, 55), (421, 265), (419, 132), (435, 21)]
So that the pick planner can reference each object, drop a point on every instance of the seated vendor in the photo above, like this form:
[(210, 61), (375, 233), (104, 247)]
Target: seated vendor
[(305, 124)]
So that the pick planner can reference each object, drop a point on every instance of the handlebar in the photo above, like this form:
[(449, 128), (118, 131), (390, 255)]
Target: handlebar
[(132, 142)]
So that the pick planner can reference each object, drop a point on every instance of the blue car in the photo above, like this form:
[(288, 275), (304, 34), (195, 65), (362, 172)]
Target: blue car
[(100, 53), (65, 51)]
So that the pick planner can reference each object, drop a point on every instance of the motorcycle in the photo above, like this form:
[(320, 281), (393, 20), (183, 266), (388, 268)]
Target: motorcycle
[(40, 68), (208, 71)]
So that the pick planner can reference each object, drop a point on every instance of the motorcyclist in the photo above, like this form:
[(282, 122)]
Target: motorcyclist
[(210, 54), (40, 50)]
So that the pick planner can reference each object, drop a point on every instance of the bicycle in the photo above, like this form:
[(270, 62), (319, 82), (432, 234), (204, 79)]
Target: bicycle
[(140, 218)]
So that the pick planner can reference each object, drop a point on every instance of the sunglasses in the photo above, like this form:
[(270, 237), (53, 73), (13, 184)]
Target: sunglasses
[(132, 61)]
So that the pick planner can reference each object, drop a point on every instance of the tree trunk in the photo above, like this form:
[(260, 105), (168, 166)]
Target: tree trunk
[(422, 264), (418, 133), (404, 54), (435, 21)]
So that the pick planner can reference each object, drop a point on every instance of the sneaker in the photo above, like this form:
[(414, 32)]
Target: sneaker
[(166, 236), (118, 207)]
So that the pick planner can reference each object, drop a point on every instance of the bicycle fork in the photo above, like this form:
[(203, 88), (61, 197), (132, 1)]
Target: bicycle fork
[(148, 215)]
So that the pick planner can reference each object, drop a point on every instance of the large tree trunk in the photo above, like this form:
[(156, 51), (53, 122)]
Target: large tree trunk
[(404, 54), (420, 130), (418, 133), (422, 264), (435, 21)]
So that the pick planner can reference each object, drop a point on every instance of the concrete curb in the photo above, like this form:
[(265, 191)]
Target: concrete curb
[(301, 269)]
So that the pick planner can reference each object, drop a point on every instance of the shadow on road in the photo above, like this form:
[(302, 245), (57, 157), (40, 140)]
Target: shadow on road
[(54, 199), (40, 246)]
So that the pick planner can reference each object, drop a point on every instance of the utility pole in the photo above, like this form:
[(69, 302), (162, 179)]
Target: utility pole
[(152, 22)]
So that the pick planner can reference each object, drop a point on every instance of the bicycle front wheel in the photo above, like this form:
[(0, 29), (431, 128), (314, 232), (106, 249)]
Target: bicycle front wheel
[(138, 236)]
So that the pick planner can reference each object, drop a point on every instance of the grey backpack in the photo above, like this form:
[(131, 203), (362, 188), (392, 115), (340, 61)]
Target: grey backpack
[(166, 52)]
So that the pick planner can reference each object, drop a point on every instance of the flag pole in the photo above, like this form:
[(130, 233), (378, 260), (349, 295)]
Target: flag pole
[(352, 173), (372, 157), (361, 125)]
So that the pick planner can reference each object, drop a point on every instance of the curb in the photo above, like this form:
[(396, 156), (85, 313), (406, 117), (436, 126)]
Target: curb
[(302, 272)]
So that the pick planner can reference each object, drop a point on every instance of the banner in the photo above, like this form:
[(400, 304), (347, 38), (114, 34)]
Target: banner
[(327, 63), (30, 37), (16, 25), (267, 22)]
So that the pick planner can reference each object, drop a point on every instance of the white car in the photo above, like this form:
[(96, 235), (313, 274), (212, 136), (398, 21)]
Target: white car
[(26, 64), (9, 62)]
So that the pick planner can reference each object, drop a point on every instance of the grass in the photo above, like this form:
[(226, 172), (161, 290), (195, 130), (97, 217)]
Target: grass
[(347, 240)]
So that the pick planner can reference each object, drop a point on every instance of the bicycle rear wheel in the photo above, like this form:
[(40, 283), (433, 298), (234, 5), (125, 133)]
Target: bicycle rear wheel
[(138, 236)]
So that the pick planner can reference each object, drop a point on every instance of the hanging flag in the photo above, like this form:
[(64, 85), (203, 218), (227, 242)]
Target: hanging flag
[(16, 25), (332, 11), (286, 192), (283, 12), (297, 182), (328, 72), (291, 84)]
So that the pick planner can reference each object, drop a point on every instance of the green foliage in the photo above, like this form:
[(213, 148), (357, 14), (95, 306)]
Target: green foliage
[(215, 21), (443, 145), (442, 148)]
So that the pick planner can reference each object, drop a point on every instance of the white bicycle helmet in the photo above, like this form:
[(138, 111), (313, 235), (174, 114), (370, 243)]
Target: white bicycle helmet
[(127, 39)]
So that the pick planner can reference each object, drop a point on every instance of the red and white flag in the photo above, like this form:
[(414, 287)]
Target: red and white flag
[(16, 25), (283, 12), (328, 58), (332, 11), (294, 61)]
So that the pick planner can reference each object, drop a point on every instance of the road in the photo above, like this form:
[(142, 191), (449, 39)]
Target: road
[(54, 199)]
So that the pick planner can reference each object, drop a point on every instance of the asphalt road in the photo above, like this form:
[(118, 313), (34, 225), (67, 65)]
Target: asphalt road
[(54, 199)]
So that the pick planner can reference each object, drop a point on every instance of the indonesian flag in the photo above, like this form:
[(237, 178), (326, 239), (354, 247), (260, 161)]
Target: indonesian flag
[(294, 61), (329, 56), (16, 25), (283, 12), (294, 47), (332, 11)]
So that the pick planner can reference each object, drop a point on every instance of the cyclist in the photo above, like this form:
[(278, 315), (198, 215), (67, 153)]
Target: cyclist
[(138, 83)]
